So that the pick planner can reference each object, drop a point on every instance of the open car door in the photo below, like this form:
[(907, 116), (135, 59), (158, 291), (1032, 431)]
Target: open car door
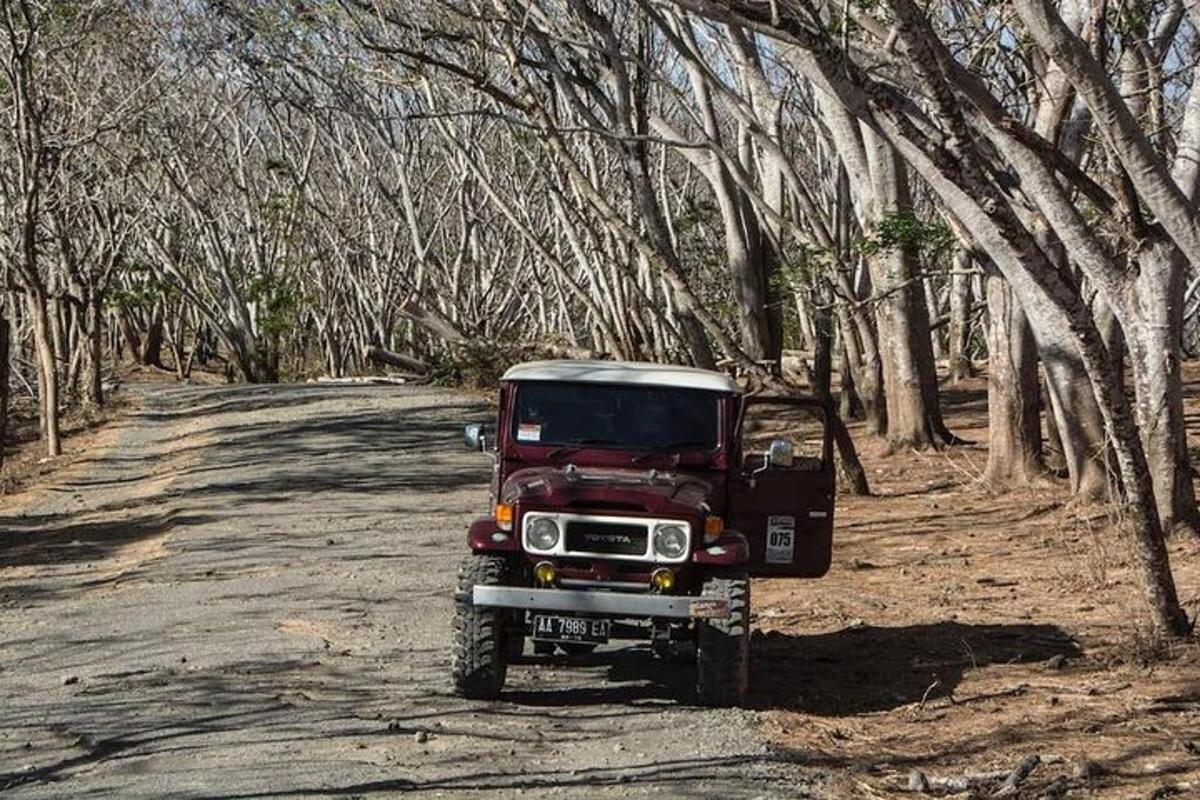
[(782, 497)]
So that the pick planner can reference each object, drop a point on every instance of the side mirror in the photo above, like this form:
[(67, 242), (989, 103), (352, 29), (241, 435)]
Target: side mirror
[(780, 453), (473, 436)]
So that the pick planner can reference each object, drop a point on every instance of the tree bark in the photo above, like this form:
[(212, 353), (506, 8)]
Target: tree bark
[(379, 355), (1154, 352), (43, 340), (849, 404), (931, 313), (1053, 455), (914, 417), (960, 366), (1118, 126), (850, 468), (150, 354), (5, 338), (1111, 333), (1076, 416), (823, 349), (1014, 429), (247, 357), (93, 387), (862, 364)]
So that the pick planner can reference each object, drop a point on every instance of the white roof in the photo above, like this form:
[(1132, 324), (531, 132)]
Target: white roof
[(622, 372)]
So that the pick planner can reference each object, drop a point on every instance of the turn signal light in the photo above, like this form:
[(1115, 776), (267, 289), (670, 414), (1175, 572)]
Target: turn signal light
[(663, 580), (544, 573), (503, 514), (713, 528)]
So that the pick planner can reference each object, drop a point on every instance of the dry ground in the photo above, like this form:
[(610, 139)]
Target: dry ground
[(25, 462), (83, 433), (961, 630)]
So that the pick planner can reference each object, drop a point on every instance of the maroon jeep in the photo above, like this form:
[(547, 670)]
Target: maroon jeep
[(635, 501)]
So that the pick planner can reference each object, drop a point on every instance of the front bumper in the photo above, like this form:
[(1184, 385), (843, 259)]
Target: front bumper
[(610, 604)]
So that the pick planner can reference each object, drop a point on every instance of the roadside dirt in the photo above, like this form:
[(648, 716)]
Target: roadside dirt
[(961, 631), (25, 462)]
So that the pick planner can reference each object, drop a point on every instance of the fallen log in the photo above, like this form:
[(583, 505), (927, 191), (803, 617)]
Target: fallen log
[(1013, 782), (921, 783), (393, 359)]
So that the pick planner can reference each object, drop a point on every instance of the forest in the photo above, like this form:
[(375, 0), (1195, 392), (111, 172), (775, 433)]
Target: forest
[(868, 200)]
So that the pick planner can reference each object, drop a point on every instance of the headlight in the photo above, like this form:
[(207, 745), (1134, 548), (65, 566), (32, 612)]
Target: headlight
[(541, 534), (670, 541)]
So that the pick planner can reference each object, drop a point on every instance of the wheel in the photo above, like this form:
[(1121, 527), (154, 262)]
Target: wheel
[(674, 652), (576, 648), (668, 644), (478, 660), (514, 637), (723, 645), (543, 648)]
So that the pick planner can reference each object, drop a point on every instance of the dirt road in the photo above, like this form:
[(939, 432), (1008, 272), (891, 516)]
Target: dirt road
[(248, 594)]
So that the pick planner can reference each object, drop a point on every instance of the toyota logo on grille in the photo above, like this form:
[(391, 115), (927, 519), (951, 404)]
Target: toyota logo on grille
[(616, 538)]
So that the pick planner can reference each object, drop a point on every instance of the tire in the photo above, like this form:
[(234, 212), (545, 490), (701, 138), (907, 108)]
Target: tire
[(514, 639), (577, 648), (674, 652), (723, 646), (543, 648), (478, 660)]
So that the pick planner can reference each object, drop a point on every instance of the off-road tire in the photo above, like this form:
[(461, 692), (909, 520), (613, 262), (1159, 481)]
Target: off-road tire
[(674, 652), (478, 660), (723, 645), (514, 637)]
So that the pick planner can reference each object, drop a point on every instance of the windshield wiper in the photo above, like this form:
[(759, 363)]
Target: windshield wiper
[(668, 448), (575, 447)]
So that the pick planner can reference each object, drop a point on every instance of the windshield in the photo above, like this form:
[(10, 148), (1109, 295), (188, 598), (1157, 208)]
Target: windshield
[(619, 417)]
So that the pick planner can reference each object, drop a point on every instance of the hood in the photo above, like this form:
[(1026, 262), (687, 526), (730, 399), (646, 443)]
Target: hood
[(607, 489)]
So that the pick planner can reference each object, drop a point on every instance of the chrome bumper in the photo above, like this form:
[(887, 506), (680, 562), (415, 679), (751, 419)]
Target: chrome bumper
[(611, 604)]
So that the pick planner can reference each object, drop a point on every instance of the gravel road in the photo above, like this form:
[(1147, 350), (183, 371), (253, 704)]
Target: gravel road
[(247, 593)]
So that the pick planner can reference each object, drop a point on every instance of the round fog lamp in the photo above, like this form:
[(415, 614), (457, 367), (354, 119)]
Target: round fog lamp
[(541, 534), (663, 580), (670, 541), (544, 573)]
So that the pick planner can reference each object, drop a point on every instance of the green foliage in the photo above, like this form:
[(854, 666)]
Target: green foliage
[(475, 364), (277, 164), (145, 290), (279, 300), (929, 240), (802, 265)]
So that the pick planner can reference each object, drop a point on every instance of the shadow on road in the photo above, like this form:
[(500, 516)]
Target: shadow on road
[(53, 539), (632, 675), (337, 450), (677, 778), (867, 669)]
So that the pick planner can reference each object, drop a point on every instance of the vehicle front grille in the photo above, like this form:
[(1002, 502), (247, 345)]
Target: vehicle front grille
[(606, 537)]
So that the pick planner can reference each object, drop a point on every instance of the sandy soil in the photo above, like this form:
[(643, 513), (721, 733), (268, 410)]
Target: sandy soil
[(960, 631), (26, 464)]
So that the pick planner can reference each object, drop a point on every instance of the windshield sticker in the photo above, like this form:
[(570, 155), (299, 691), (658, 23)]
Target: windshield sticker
[(781, 539), (529, 432)]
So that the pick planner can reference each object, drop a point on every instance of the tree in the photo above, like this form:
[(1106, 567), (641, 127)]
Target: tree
[(960, 171)]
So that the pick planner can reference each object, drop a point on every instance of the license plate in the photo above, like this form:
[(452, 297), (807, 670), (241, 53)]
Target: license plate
[(570, 629)]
